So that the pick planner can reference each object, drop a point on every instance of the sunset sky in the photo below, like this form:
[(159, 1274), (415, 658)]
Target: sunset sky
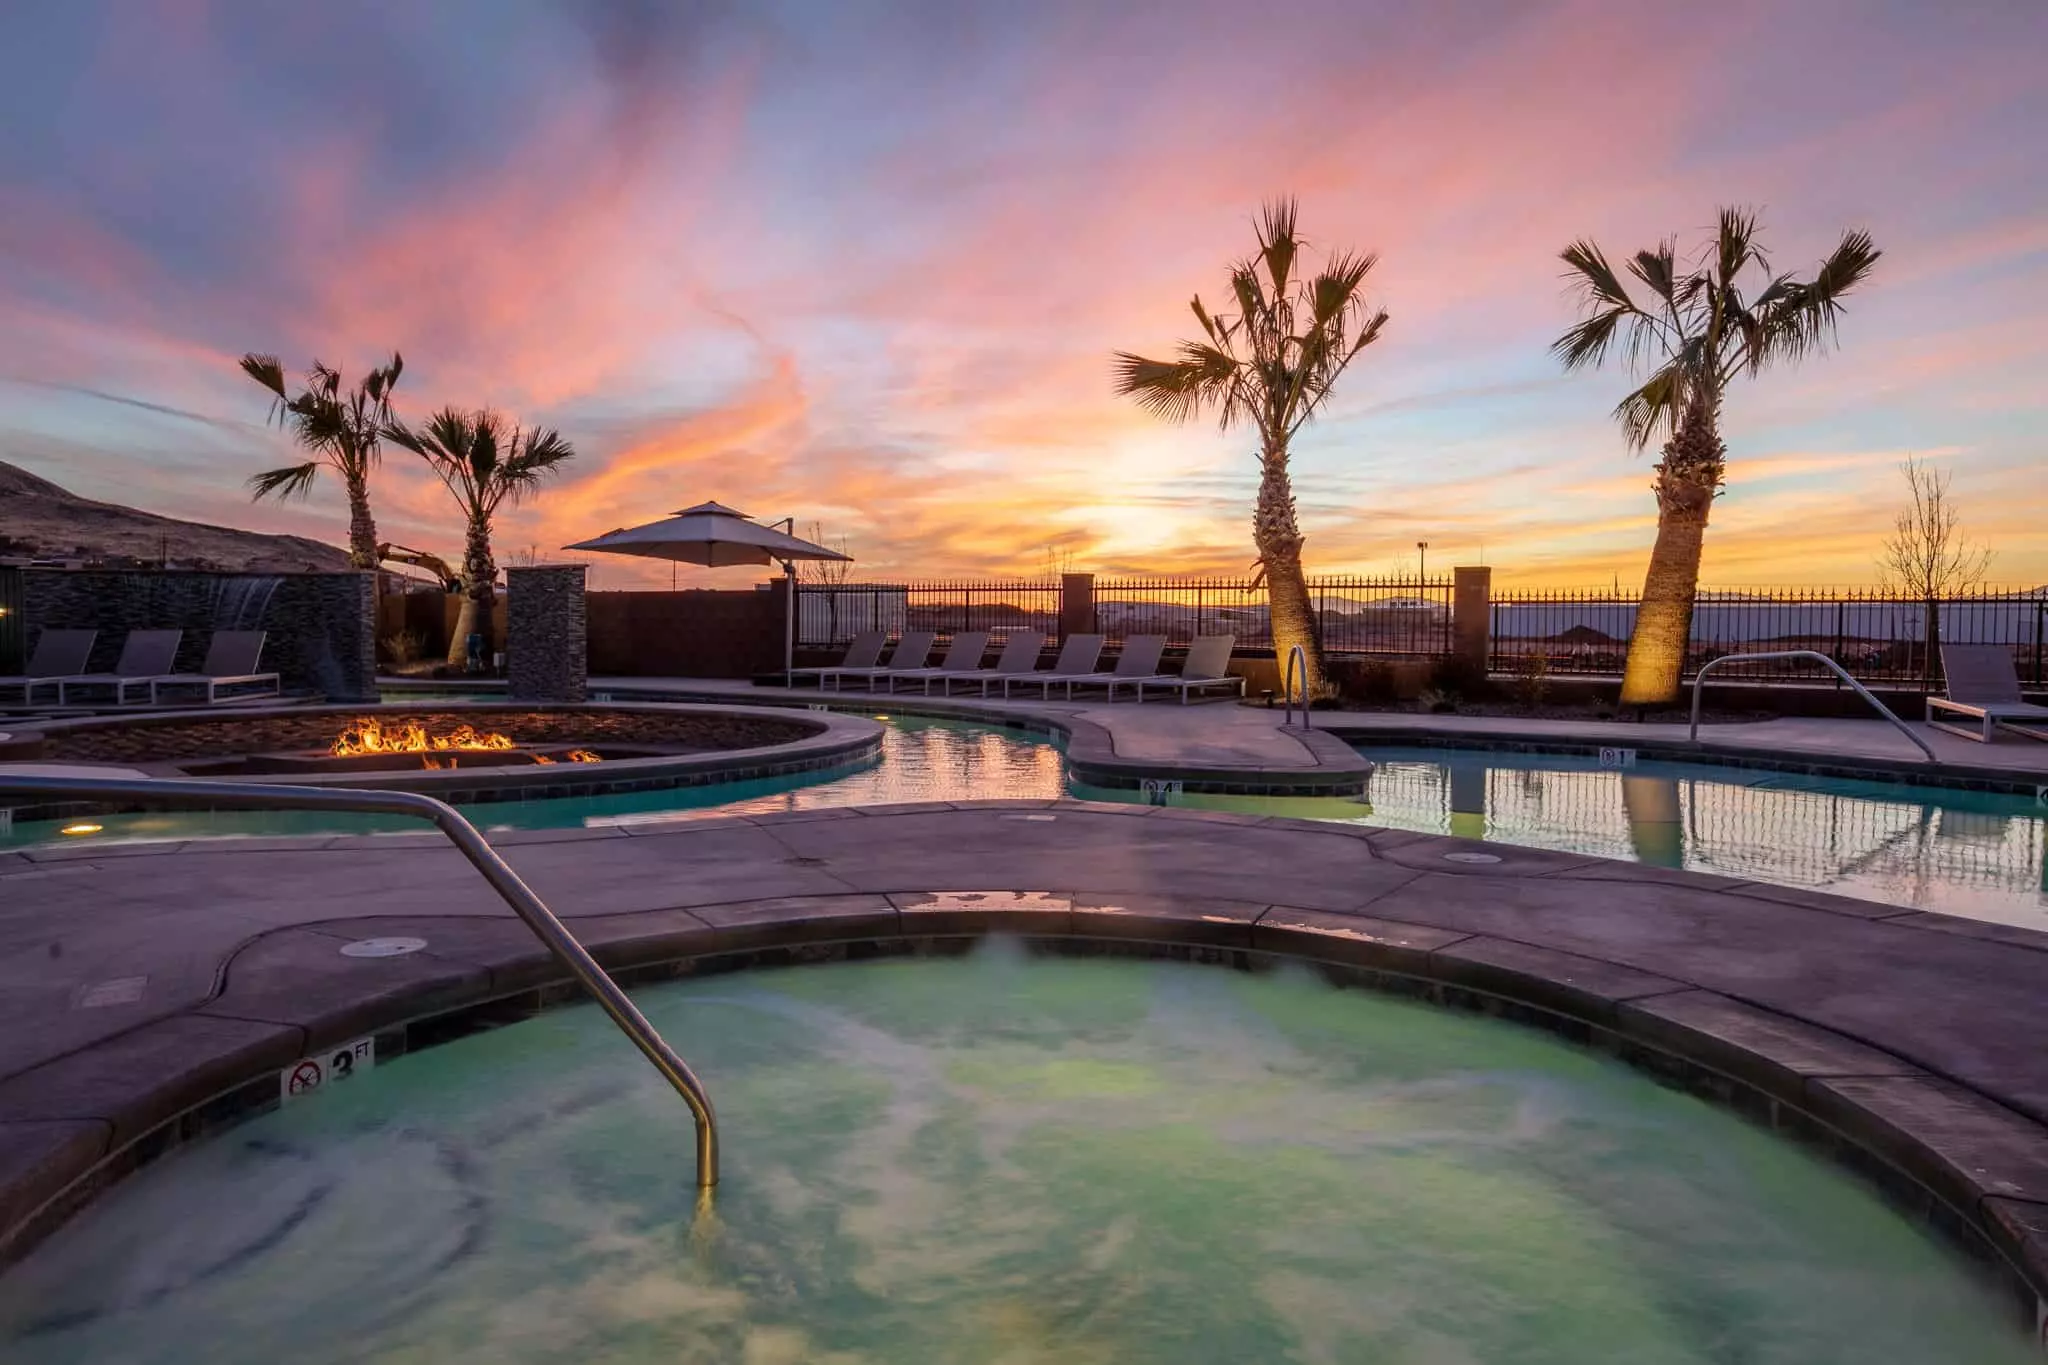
[(865, 263)]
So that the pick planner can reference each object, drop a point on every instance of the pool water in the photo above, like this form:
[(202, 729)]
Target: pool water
[(1956, 852), (1977, 854), (1004, 1159)]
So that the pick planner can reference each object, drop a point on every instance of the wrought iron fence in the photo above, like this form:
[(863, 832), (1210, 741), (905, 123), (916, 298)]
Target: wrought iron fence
[(1356, 615), (1876, 635), (833, 613)]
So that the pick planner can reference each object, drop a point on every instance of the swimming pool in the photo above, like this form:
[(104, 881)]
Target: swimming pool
[(1004, 1158), (1956, 852)]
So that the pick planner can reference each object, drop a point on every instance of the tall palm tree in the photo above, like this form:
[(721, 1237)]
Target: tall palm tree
[(486, 466), (343, 430), (1269, 366), (1699, 331)]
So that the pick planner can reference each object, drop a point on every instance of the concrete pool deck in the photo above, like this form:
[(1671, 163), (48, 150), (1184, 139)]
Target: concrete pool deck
[(153, 992)]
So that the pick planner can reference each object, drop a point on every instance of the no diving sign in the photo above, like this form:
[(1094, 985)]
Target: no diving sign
[(337, 1063)]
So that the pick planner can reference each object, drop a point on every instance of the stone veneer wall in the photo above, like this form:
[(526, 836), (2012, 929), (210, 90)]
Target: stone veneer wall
[(321, 627), (546, 650)]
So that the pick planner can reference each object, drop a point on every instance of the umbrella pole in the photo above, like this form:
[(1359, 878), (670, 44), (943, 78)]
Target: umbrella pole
[(788, 621)]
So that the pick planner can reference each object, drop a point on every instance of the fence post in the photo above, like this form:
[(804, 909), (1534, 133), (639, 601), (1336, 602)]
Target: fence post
[(2040, 624), (1077, 604), (1472, 615)]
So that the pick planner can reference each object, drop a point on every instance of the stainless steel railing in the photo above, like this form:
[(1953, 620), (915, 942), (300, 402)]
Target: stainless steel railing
[(1287, 689), (1700, 678), (465, 836)]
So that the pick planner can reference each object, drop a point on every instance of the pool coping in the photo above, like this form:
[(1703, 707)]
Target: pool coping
[(837, 741), (1945, 775), (1335, 768), (1963, 1158), (1336, 741)]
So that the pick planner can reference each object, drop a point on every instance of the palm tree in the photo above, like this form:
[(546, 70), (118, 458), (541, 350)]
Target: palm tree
[(343, 430), (1700, 332), (1269, 366), (485, 467)]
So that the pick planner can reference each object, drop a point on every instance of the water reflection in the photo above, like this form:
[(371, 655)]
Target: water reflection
[(1966, 853)]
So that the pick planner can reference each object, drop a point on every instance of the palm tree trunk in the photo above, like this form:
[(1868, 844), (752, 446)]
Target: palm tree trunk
[(1278, 537), (478, 569), (362, 529), (1687, 479)]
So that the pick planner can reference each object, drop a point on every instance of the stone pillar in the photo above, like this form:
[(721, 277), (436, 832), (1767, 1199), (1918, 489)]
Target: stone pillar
[(1472, 616), (1077, 604), (351, 624), (546, 651)]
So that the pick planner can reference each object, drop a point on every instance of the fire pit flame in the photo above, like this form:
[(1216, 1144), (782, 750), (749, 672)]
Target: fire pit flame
[(368, 735)]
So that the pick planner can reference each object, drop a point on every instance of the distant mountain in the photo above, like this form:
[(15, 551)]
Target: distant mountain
[(40, 520)]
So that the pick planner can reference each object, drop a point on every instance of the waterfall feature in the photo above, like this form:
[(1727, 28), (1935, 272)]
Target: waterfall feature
[(239, 603)]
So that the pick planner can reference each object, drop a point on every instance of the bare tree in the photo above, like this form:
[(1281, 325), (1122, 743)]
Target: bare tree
[(1928, 556), (828, 573)]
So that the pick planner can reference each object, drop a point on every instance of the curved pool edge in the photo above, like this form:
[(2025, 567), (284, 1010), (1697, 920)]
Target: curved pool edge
[(1963, 1156), (836, 740), (1334, 768)]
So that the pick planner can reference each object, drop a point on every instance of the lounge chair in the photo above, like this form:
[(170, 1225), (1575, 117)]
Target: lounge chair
[(1077, 660), (1207, 666), (914, 650), (862, 651), (59, 654), (1138, 659), (146, 655), (1019, 656), (1983, 684), (231, 659), (963, 655)]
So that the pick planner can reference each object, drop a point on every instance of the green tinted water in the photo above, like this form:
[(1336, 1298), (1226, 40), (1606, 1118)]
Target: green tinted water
[(1003, 1159)]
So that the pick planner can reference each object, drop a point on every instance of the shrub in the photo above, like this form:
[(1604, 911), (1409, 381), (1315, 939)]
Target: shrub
[(1532, 680)]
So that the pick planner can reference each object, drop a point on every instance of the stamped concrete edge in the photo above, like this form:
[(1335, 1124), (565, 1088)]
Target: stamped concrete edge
[(1334, 769), (834, 740), (1789, 1074)]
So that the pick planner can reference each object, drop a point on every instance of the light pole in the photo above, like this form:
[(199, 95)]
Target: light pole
[(1422, 554)]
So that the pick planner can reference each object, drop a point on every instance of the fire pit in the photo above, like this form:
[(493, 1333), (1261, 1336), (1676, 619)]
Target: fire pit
[(465, 751), (368, 737)]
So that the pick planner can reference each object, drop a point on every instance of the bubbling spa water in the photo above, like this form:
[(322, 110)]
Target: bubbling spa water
[(1003, 1159)]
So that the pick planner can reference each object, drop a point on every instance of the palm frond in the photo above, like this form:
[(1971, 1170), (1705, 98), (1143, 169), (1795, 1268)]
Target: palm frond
[(1659, 270), (533, 457), (1178, 390), (1653, 407), (293, 481), (1800, 319), (266, 370), (379, 383), (324, 380), (1593, 278), (1734, 244), (1586, 343), (1370, 332), (1278, 244), (1335, 290)]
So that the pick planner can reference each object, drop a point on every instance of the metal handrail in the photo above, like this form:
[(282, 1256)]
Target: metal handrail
[(1700, 678), (528, 906), (1287, 689)]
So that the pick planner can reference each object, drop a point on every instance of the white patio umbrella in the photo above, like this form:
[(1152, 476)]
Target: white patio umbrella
[(716, 536)]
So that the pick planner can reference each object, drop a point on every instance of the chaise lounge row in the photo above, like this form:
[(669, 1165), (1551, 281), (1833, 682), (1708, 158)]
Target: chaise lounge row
[(1207, 665), (147, 657)]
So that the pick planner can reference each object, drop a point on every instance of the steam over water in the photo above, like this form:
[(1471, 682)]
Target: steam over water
[(1003, 1161)]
